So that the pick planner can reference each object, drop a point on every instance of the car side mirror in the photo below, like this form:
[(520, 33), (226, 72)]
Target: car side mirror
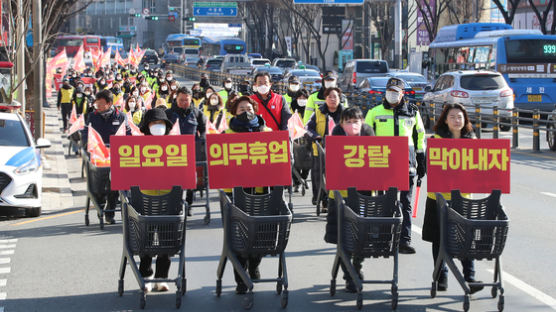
[(428, 89), (43, 143)]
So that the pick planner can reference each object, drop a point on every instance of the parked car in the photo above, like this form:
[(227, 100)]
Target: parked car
[(376, 87), (284, 63), (551, 130), (20, 167), (416, 81), (259, 62), (170, 58), (275, 72), (213, 64), (471, 87), (310, 79), (150, 57), (237, 64), (355, 71), (308, 66)]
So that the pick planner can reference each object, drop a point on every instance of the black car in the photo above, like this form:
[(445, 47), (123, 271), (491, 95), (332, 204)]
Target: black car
[(150, 57)]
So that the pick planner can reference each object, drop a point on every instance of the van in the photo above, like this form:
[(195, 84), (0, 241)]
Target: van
[(357, 70)]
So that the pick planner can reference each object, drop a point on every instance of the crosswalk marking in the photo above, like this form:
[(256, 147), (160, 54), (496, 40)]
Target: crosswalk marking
[(6, 252), (3, 296), (7, 246), (3, 282), (8, 241), (5, 260), (5, 270)]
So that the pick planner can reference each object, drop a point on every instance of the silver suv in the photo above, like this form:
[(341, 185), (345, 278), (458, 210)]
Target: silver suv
[(472, 87), (358, 70)]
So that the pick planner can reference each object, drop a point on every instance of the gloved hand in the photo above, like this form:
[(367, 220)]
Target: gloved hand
[(421, 165)]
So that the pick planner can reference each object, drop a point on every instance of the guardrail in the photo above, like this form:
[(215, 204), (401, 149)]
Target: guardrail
[(481, 116)]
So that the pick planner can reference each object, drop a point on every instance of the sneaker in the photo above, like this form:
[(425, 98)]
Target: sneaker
[(189, 212), (163, 286), (442, 282), (350, 286), (314, 201), (406, 249), (148, 285), (475, 288), (241, 289), (254, 274), (296, 189), (109, 219)]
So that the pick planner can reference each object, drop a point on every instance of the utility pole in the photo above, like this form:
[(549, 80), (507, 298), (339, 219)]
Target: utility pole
[(38, 72), (182, 15), (20, 56), (398, 34)]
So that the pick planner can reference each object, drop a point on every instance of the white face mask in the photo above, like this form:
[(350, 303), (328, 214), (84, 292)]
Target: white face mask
[(165, 88), (169, 78), (132, 105), (95, 105), (158, 129), (294, 87), (255, 89), (329, 84), (143, 90), (302, 102), (213, 101), (228, 85), (173, 87), (263, 89), (79, 95), (87, 93), (392, 97), (208, 95), (135, 93)]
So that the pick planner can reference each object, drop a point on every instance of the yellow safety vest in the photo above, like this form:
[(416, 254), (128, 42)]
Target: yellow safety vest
[(67, 95)]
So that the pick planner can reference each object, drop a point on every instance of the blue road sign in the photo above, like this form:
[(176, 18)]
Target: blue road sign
[(328, 1), (213, 11)]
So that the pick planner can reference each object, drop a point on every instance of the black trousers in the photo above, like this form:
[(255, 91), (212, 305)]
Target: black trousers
[(304, 173), (66, 112), (162, 266), (316, 178), (405, 199), (248, 263)]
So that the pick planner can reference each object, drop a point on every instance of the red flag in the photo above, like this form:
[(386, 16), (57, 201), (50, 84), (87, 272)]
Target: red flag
[(118, 58), (78, 60), (96, 56), (98, 153), (105, 61), (131, 56), (134, 129), (149, 101), (121, 130), (78, 125), (295, 127), (73, 116), (223, 126), (210, 127), (331, 125), (176, 128)]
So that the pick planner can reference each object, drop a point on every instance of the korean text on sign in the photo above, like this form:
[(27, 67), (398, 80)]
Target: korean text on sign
[(372, 156), (253, 153)]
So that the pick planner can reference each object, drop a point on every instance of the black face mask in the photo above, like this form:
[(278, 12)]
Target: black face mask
[(246, 117)]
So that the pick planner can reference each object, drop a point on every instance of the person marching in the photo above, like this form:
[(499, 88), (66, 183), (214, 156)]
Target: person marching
[(80, 101), (317, 129), (164, 93), (293, 87), (133, 106), (351, 124), (453, 123), (300, 102), (204, 83), (271, 106), (65, 95), (318, 98), (228, 87), (397, 117), (215, 110)]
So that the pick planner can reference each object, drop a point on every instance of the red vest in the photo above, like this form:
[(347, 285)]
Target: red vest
[(274, 105)]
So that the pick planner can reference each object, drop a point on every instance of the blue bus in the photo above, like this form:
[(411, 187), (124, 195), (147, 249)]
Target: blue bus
[(177, 43), (223, 46), (526, 58), (115, 43)]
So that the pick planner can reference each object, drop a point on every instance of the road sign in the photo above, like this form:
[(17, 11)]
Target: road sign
[(146, 11), (132, 11), (223, 9), (328, 1)]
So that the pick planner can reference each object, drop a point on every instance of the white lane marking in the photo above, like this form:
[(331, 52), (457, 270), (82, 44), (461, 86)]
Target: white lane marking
[(7, 246), (8, 241), (3, 296), (5, 270), (549, 194), (530, 290), (516, 282), (3, 282), (6, 252), (5, 260)]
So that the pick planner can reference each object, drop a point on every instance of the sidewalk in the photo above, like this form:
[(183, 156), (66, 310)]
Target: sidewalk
[(56, 189)]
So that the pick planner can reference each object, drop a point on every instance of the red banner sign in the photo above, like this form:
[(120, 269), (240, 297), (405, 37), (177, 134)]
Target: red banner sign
[(152, 162), (248, 159), (367, 163), (471, 166)]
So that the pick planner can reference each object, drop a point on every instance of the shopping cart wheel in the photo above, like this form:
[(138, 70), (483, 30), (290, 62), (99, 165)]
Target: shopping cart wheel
[(87, 220), (494, 291), (142, 299), (248, 300), (101, 223), (279, 287), (206, 220), (120, 287), (394, 297), (466, 303), (284, 300), (178, 299), (332, 287), (433, 289), (318, 209), (218, 288), (501, 303), (302, 191), (183, 285), (359, 301)]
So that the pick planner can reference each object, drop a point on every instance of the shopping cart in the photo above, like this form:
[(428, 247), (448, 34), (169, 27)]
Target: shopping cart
[(321, 195), (153, 225), (98, 190), (473, 229), (303, 161), (255, 225), (367, 227)]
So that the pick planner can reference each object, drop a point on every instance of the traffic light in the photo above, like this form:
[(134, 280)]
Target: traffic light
[(135, 15), (152, 18), (191, 19)]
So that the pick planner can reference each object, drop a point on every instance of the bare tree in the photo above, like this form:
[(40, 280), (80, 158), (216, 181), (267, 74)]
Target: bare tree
[(381, 12), (463, 11), (508, 14), (543, 16), (431, 14)]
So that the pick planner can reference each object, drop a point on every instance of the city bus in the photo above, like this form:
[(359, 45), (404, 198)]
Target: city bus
[(526, 58), (177, 43), (117, 44), (223, 46), (72, 44)]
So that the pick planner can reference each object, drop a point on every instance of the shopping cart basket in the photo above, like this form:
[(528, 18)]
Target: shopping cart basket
[(98, 190), (153, 225), (255, 225), (303, 161), (367, 227), (473, 229)]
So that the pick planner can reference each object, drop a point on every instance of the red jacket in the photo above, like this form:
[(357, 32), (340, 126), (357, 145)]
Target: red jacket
[(277, 107)]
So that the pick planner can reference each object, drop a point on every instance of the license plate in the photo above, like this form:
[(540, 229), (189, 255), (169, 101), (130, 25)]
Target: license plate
[(534, 98), (417, 89)]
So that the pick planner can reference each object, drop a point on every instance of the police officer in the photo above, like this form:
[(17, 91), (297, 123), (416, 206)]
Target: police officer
[(106, 120), (398, 117), (224, 93), (293, 87), (65, 95), (317, 99)]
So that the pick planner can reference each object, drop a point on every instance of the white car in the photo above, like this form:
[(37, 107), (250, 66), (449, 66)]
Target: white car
[(20, 167), (472, 87)]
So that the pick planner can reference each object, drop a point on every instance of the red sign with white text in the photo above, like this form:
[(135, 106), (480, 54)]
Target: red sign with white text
[(248, 159), (152, 162), (367, 162), (471, 166)]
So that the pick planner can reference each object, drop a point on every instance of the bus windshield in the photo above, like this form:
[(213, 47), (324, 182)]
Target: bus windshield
[(531, 51), (191, 42), (75, 42), (233, 48)]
